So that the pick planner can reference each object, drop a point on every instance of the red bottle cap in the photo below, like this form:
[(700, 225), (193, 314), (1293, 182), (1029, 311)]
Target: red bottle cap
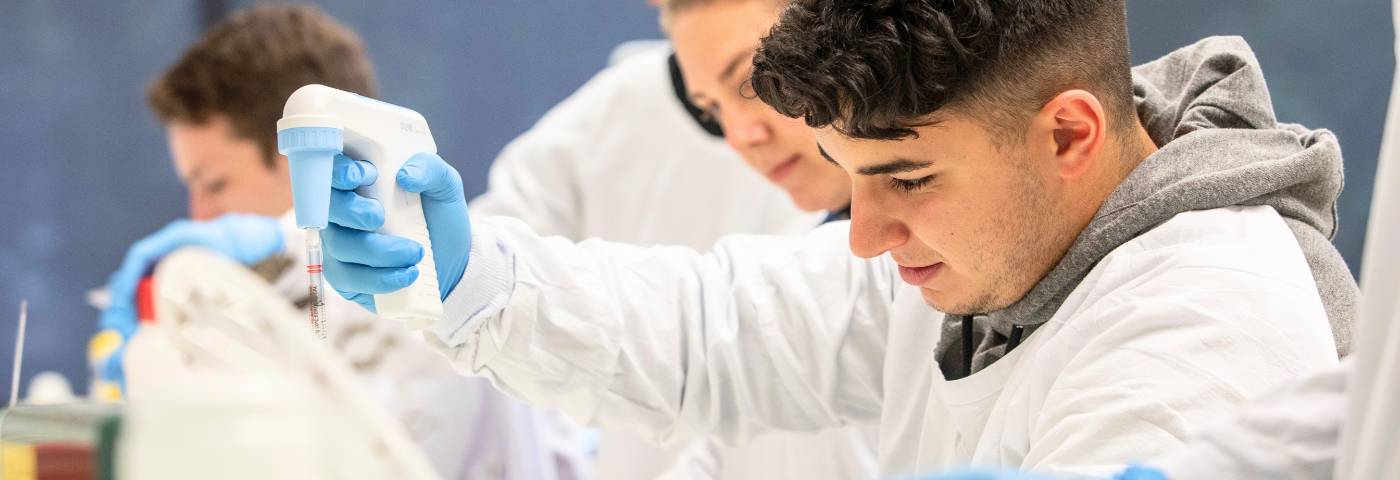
[(146, 300)]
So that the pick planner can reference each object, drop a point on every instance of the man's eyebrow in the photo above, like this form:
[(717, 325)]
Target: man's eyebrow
[(897, 166), (826, 155)]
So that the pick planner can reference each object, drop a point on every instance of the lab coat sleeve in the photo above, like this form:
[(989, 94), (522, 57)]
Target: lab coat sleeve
[(1293, 432), (764, 332), (1169, 357), (464, 426)]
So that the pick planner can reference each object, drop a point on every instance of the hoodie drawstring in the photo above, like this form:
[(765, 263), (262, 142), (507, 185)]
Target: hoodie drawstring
[(1015, 338), (967, 346)]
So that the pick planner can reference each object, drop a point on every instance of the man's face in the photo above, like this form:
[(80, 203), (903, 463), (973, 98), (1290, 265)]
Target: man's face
[(715, 44), (225, 173), (974, 226)]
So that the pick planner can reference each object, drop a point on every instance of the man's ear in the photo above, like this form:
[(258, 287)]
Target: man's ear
[(1072, 128)]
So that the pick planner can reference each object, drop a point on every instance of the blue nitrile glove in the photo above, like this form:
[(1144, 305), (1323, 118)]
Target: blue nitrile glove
[(361, 263), (246, 239), (1135, 472), (983, 474)]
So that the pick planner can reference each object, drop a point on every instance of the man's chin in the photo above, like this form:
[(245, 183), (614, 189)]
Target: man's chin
[(939, 301), (953, 305)]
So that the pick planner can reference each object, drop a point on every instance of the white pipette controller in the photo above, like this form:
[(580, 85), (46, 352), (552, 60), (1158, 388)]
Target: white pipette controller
[(319, 122)]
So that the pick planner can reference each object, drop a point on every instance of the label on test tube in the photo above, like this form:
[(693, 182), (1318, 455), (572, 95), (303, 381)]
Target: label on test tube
[(318, 303)]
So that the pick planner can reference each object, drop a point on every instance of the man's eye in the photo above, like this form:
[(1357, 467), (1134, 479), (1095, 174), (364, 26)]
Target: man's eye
[(909, 185), (216, 186)]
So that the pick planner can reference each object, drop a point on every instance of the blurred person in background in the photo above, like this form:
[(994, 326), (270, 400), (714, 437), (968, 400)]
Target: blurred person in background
[(220, 103)]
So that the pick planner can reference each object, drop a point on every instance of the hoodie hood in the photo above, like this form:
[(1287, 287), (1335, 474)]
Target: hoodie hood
[(1209, 110)]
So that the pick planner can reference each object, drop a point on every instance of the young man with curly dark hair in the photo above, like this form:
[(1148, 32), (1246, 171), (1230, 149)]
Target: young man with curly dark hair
[(1106, 257)]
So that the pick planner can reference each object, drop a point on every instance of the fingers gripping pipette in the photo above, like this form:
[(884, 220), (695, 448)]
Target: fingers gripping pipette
[(319, 122)]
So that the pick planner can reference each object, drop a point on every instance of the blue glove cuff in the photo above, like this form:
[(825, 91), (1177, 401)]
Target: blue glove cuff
[(1140, 472)]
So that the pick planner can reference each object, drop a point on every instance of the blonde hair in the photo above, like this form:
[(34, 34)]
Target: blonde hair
[(669, 8)]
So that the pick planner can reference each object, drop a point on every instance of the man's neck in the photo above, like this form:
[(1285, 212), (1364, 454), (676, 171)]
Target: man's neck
[(1137, 148), (1118, 162)]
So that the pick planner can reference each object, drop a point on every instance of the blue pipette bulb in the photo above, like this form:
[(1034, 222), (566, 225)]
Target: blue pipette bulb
[(310, 155)]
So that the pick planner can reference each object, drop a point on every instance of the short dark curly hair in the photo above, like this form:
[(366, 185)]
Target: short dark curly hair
[(876, 69)]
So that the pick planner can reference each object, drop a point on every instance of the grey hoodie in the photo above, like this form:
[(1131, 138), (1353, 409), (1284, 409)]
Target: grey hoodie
[(1208, 108)]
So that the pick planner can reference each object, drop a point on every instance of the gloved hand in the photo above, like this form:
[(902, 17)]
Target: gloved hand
[(361, 263), (1135, 472), (243, 238)]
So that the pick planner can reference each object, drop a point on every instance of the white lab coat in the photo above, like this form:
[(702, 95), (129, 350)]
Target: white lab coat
[(1341, 422), (620, 159), (1171, 328), (468, 429)]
